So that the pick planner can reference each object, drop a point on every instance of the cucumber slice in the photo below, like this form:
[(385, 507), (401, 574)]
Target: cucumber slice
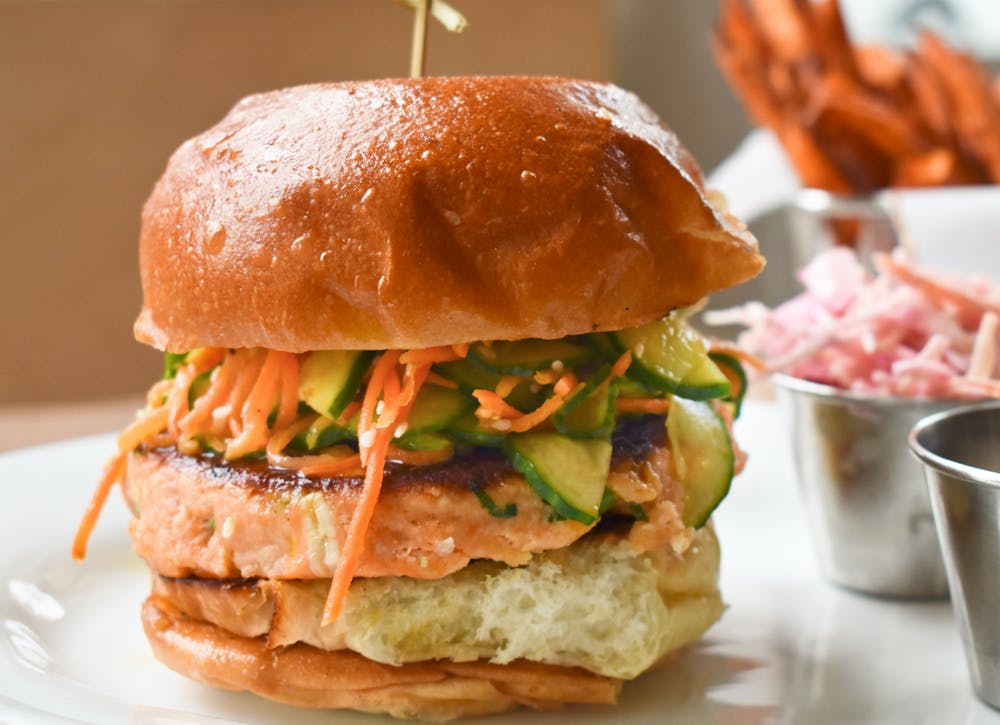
[(702, 455), (631, 389), (469, 377), (669, 357), (325, 432), (468, 430), (172, 361), (732, 369), (570, 475), (199, 385), (602, 344), (436, 408), (422, 442), (329, 379), (705, 382), (525, 357), (590, 412)]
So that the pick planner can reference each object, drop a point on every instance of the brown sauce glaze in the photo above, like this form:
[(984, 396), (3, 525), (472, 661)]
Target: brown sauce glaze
[(633, 438)]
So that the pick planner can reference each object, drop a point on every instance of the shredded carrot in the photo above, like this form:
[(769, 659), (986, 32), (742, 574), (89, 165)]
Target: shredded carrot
[(158, 393), (461, 349), (289, 408), (545, 377), (493, 406), (205, 358), (219, 389), (280, 440), (198, 361), (413, 380), (539, 414), (383, 367), (419, 458), (727, 348), (564, 385), (177, 400), (507, 385), (338, 460), (374, 463), (415, 377), (347, 463), (149, 423), (350, 410), (114, 471), (387, 409), (656, 406), (159, 440), (430, 355), (621, 365), (266, 389), (433, 377), (246, 378)]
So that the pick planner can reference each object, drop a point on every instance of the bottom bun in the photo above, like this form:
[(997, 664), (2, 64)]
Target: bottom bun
[(306, 676), (597, 604)]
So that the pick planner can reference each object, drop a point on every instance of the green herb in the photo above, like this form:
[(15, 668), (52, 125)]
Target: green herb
[(497, 512), (172, 361), (198, 386), (637, 511), (608, 500)]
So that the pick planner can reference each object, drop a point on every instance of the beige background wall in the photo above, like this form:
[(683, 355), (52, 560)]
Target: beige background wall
[(95, 95)]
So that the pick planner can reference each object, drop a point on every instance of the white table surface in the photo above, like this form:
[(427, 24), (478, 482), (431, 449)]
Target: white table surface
[(789, 649)]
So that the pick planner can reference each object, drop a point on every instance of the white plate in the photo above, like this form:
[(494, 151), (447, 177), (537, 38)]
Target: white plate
[(790, 648)]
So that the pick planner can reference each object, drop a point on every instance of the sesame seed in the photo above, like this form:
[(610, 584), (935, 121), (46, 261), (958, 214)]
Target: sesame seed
[(558, 366), (639, 349), (366, 439), (228, 526), (400, 429), (423, 562), (379, 407), (445, 546), (502, 424)]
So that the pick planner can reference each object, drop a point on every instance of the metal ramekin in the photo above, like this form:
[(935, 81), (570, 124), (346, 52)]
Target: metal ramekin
[(960, 450), (864, 494)]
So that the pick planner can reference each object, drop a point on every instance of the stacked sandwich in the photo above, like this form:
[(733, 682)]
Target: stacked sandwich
[(434, 437)]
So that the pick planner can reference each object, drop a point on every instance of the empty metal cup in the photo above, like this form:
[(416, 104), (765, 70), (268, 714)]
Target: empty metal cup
[(864, 494), (819, 219), (961, 453)]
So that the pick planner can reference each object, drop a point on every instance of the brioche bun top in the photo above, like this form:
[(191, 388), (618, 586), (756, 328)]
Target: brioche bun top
[(417, 212)]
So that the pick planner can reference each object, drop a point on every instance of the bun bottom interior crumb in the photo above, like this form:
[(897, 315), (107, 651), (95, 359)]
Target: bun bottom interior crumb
[(189, 624)]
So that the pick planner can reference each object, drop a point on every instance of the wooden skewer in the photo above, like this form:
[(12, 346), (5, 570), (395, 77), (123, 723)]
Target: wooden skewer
[(418, 51)]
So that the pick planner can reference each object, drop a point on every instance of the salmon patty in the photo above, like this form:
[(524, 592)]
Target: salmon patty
[(200, 516)]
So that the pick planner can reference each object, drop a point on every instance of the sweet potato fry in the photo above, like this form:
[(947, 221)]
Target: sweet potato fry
[(883, 69), (863, 164), (934, 168), (930, 98), (784, 29), (812, 164), (977, 118), (854, 119), (867, 116), (829, 37), (745, 77)]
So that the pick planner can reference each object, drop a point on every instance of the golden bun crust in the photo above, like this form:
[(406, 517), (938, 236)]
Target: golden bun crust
[(418, 212), (309, 677), (597, 604)]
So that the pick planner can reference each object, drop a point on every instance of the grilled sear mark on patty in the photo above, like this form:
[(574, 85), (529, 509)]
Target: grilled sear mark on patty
[(197, 518)]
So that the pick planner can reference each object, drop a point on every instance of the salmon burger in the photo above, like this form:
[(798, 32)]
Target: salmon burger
[(434, 437)]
